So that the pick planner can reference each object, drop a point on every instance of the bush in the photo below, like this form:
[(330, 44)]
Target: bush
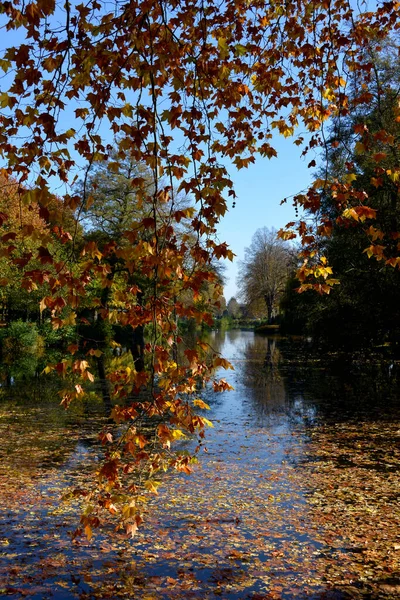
[(57, 337), (21, 348), (20, 338)]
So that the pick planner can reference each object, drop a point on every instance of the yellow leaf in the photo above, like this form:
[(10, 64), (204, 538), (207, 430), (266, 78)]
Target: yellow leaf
[(223, 47), (319, 183), (201, 404), (5, 64), (152, 486), (88, 532), (350, 177), (70, 133), (332, 281), (284, 129), (329, 94), (177, 434), (42, 305), (70, 320), (4, 99), (350, 213), (240, 50), (222, 362)]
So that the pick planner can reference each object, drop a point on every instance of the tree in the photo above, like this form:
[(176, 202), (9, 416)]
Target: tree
[(185, 87), (364, 308), (234, 308), (22, 249), (357, 185), (263, 273), (109, 196), (109, 209)]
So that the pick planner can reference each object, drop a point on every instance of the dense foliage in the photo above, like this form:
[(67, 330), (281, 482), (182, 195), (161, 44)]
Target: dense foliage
[(364, 309)]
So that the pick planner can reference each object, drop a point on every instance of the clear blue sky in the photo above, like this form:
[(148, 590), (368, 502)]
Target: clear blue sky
[(260, 189)]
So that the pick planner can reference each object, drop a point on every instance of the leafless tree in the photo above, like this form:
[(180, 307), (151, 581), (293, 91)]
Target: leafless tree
[(264, 271)]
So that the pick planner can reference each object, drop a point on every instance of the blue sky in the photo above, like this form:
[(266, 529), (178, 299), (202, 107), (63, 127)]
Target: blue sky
[(260, 189)]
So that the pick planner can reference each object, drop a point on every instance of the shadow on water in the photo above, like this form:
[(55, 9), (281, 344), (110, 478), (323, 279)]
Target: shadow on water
[(296, 494)]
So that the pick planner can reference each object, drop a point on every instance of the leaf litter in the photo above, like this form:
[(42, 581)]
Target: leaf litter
[(287, 502)]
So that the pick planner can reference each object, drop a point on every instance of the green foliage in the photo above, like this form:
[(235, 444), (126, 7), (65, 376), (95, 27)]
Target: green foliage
[(22, 346), (57, 337), (20, 337), (224, 323)]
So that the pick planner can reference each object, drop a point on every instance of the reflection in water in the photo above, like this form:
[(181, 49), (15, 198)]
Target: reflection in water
[(278, 375), (300, 474), (260, 375), (261, 378)]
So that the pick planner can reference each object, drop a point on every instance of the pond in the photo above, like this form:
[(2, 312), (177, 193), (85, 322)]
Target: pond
[(296, 494)]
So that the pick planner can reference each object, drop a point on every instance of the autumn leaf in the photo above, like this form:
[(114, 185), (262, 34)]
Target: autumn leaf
[(201, 404)]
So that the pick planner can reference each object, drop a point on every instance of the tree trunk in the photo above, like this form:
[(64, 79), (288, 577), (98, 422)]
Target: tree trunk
[(137, 342), (270, 307), (101, 335), (104, 383), (137, 348)]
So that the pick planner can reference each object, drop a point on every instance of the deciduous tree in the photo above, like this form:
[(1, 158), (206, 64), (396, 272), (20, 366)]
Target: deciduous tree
[(363, 310), (234, 308), (264, 272)]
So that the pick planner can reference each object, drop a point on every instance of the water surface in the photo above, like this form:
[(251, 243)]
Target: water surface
[(296, 494)]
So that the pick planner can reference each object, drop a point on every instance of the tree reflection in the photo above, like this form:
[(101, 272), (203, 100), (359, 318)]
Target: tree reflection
[(344, 389), (278, 375), (259, 372)]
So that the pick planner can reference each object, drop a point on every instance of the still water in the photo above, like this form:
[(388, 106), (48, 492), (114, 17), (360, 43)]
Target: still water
[(296, 494)]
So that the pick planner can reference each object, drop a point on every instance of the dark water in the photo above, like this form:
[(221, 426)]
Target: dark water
[(296, 494)]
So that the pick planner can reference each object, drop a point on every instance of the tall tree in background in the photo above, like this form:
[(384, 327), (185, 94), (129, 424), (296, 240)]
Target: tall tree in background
[(233, 308), (24, 228), (110, 208), (264, 272), (357, 187), (114, 209)]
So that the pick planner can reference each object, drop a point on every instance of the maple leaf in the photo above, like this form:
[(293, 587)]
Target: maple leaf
[(73, 348), (201, 404), (44, 256)]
